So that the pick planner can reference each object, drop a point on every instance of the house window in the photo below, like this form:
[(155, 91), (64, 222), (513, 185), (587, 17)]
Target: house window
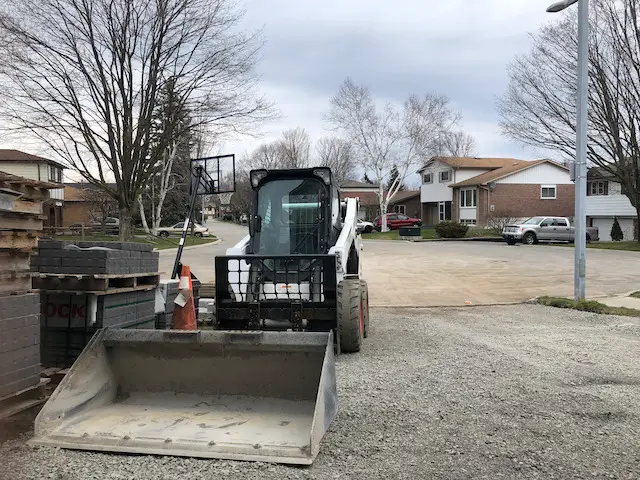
[(467, 222), (55, 174), (442, 211), (445, 176), (427, 178), (468, 198), (548, 192), (598, 188), (400, 209)]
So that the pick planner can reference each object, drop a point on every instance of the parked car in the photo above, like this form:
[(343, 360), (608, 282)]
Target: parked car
[(364, 227), (176, 229), (547, 229), (244, 219), (397, 220), (111, 225)]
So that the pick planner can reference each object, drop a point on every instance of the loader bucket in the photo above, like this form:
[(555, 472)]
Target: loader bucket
[(259, 396)]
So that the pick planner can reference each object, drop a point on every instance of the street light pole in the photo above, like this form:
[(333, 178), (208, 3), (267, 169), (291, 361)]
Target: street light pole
[(580, 217)]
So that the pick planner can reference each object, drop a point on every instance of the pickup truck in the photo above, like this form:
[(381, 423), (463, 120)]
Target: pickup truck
[(546, 229)]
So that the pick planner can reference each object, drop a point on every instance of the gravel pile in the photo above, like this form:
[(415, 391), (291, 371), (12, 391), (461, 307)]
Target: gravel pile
[(478, 393)]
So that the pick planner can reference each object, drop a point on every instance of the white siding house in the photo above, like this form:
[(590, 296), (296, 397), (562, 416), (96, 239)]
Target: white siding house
[(605, 202), (41, 169)]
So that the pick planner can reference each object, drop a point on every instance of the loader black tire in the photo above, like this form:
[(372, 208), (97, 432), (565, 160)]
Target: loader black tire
[(364, 290), (350, 326)]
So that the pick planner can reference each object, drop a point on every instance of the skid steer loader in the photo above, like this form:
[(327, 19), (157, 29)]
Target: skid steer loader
[(261, 385)]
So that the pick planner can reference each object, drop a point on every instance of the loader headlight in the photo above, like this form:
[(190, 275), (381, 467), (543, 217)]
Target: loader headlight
[(256, 176), (324, 174)]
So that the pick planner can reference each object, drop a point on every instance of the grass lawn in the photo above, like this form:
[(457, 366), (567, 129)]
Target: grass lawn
[(628, 246), (588, 306), (428, 233), (159, 243)]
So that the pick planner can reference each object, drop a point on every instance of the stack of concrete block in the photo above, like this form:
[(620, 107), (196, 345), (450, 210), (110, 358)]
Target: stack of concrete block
[(19, 343), (107, 258), (69, 321), (165, 297)]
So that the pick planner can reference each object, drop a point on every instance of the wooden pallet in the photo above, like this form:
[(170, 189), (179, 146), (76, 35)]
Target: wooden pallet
[(94, 283), (24, 399), (18, 241), (14, 283), (110, 291)]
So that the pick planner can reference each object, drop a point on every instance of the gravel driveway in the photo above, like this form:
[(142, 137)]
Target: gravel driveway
[(479, 393)]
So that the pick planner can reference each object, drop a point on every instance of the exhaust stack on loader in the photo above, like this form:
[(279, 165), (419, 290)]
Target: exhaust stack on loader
[(261, 396)]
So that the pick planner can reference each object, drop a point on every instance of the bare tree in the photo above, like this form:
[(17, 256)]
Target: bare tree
[(337, 154), (386, 137), (291, 150), (455, 144), (539, 108), (498, 219), (84, 78), (100, 204), (294, 148)]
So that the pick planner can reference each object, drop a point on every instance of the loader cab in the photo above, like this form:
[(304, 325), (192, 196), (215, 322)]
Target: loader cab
[(293, 212)]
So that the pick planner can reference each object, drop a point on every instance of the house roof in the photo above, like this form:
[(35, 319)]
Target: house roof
[(472, 162), (27, 182), (405, 195), (75, 192), (493, 175), (366, 198), (356, 184), (8, 155)]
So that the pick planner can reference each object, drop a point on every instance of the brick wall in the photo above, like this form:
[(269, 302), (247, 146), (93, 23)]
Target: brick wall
[(76, 212), (520, 200)]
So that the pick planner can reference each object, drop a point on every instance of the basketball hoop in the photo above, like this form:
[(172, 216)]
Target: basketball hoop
[(225, 198)]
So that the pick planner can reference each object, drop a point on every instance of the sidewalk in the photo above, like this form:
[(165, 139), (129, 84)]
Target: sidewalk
[(621, 301)]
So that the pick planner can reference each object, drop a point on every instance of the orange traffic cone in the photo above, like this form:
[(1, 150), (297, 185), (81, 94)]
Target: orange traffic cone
[(184, 313)]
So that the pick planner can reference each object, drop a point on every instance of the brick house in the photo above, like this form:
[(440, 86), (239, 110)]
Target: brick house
[(368, 195), (474, 191), (40, 169), (85, 203), (406, 203)]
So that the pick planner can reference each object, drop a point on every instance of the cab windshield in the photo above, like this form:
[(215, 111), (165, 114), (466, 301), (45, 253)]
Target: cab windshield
[(533, 221), (291, 217)]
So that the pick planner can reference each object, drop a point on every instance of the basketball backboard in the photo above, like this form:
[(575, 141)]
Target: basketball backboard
[(214, 174)]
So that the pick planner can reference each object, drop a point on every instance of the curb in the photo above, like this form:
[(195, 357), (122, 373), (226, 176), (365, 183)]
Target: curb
[(473, 305), (193, 247)]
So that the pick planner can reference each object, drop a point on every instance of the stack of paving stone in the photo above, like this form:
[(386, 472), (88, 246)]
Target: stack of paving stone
[(86, 286), (21, 223), (165, 297), (19, 343), (108, 258), (69, 321)]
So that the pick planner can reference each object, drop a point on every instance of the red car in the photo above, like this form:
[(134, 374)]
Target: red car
[(397, 220)]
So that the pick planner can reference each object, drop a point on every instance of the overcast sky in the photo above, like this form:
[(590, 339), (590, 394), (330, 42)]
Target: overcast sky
[(459, 48)]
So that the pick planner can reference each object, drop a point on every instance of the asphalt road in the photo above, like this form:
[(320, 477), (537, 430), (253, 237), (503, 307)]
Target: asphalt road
[(515, 392), (454, 273), (200, 258)]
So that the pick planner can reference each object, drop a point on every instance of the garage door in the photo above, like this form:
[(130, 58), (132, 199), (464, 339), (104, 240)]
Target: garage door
[(604, 228)]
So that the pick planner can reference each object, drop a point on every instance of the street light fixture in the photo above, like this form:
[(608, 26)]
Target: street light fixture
[(559, 6), (580, 217)]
